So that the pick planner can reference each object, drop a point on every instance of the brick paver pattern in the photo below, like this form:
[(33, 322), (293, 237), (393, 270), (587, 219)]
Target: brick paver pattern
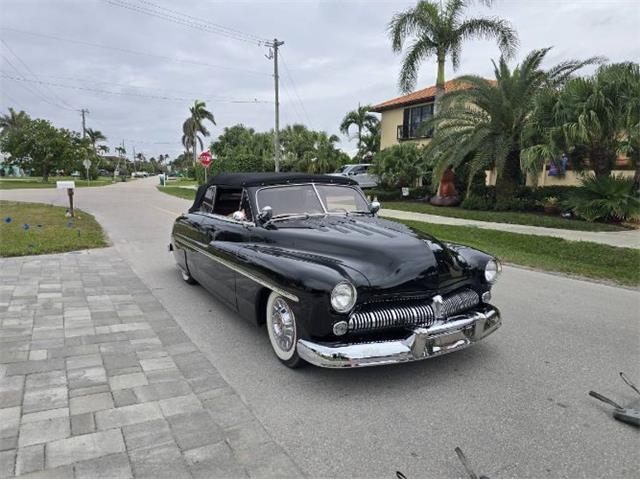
[(98, 380)]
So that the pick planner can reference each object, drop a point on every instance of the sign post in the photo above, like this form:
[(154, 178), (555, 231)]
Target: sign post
[(70, 186), (205, 161), (87, 165)]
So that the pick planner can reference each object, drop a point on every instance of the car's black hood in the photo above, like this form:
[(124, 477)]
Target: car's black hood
[(390, 255)]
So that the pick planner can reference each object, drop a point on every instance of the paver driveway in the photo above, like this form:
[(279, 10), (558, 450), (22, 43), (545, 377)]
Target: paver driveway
[(97, 379), (517, 403)]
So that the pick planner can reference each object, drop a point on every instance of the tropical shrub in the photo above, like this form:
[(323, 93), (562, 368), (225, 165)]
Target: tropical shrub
[(477, 202), (402, 165), (605, 198)]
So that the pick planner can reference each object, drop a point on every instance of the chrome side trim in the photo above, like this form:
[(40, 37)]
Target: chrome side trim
[(191, 244), (422, 343)]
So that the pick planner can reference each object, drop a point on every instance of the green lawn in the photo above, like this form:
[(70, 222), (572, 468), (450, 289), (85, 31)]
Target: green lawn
[(37, 228), (520, 218), (587, 259), (188, 193), (8, 183)]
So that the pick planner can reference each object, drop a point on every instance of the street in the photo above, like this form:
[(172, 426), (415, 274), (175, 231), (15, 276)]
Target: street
[(516, 404)]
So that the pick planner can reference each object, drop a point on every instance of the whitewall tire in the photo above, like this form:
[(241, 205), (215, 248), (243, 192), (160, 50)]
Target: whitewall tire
[(283, 330)]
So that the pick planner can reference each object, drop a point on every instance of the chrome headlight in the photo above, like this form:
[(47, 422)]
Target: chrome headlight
[(492, 270), (343, 297)]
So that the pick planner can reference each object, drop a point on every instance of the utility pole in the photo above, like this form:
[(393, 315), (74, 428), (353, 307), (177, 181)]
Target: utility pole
[(84, 127), (273, 55)]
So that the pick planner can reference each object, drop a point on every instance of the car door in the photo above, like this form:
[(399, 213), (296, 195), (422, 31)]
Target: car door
[(218, 244)]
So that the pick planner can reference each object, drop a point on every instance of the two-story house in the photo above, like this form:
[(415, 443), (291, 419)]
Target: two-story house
[(402, 116)]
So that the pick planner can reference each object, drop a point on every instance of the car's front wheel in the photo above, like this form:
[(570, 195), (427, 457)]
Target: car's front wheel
[(283, 331)]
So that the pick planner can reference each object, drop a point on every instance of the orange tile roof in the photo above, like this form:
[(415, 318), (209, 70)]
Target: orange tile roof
[(419, 96)]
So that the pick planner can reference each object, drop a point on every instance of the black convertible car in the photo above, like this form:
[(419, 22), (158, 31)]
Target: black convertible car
[(335, 285)]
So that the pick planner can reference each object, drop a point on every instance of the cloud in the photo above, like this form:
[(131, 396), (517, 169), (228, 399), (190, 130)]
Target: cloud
[(336, 55)]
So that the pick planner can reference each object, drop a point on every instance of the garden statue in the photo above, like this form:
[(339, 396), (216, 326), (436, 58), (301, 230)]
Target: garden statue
[(447, 195)]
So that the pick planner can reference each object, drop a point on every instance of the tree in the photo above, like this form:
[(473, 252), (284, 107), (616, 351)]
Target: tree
[(483, 125), (38, 146), (371, 142), (402, 165), (242, 149), (103, 149), (363, 120), (439, 32), (13, 119), (590, 119), (95, 136), (194, 125)]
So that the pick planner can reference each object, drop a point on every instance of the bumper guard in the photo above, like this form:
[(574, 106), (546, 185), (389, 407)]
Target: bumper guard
[(456, 333)]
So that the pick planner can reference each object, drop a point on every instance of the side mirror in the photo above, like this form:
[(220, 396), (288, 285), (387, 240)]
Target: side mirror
[(374, 207), (265, 214)]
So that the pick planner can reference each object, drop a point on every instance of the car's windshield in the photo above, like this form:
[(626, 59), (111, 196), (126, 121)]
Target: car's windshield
[(342, 169), (302, 199)]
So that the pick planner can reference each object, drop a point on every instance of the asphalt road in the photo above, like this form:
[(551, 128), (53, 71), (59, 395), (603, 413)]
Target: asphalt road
[(516, 404)]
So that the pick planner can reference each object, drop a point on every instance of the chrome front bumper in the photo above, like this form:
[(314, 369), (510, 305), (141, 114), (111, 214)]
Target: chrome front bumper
[(457, 333)]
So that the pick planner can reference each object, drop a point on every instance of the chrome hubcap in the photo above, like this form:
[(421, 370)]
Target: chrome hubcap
[(283, 323)]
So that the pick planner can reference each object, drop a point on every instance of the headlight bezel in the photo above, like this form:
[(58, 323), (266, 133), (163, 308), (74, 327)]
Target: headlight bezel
[(339, 289), (492, 271)]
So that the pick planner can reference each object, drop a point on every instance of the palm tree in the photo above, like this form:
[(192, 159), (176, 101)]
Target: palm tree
[(95, 136), (194, 125), (103, 149), (371, 141), (13, 119), (484, 124), (363, 120), (591, 119), (439, 31)]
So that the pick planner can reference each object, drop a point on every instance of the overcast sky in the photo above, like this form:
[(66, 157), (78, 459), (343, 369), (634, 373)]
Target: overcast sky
[(336, 54)]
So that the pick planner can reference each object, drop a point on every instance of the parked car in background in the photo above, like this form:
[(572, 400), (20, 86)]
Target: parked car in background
[(359, 172), (335, 285), (139, 175), (75, 174), (104, 173)]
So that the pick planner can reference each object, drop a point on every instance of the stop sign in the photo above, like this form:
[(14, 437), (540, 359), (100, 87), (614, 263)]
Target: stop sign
[(205, 159)]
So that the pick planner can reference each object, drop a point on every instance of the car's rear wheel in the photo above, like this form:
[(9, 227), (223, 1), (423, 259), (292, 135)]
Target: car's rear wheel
[(283, 330), (186, 276)]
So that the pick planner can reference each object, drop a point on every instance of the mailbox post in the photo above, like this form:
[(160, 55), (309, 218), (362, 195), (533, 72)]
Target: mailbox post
[(70, 187)]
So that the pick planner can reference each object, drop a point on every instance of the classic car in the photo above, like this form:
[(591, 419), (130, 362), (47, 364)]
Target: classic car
[(335, 284)]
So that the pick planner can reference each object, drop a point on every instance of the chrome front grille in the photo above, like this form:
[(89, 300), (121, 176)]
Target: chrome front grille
[(378, 316)]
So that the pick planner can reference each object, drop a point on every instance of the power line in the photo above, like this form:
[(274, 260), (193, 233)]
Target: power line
[(182, 20), (30, 88), (295, 90), (126, 85), (15, 102), (129, 94), (67, 107), (222, 27), (135, 52)]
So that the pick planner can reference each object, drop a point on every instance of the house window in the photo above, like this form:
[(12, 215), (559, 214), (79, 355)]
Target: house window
[(414, 117)]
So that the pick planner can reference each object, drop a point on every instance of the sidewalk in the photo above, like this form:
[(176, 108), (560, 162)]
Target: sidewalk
[(628, 239), (97, 379)]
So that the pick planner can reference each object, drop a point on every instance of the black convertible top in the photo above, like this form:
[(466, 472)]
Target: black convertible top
[(258, 179), (270, 178)]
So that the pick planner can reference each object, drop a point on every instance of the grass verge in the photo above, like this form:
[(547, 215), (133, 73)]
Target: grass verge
[(37, 228), (7, 183), (188, 193), (519, 218), (586, 259)]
